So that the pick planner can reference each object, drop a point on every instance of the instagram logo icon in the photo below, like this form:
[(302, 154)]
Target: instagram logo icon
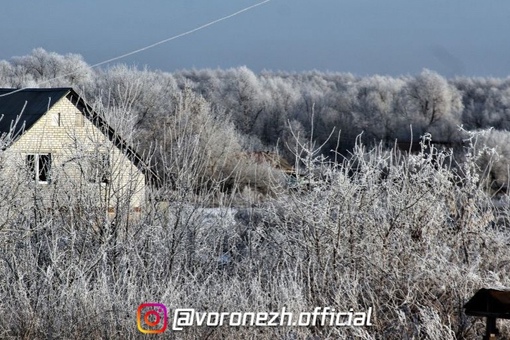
[(152, 318)]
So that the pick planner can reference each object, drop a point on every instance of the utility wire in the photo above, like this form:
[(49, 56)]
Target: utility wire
[(151, 45)]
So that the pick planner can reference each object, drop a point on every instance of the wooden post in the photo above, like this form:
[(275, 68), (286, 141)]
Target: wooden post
[(491, 330)]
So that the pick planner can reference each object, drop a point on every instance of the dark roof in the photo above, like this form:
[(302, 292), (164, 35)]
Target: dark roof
[(489, 302), (27, 104), (30, 104)]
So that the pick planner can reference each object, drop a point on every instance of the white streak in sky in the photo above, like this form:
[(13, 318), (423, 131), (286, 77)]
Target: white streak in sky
[(152, 45)]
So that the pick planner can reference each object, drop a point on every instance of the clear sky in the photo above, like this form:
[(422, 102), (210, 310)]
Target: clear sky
[(452, 37)]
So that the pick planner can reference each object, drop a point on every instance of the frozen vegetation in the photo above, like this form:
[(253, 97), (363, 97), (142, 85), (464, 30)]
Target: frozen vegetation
[(412, 235)]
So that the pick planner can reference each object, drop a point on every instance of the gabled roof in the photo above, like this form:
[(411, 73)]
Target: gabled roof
[(27, 106), (489, 302)]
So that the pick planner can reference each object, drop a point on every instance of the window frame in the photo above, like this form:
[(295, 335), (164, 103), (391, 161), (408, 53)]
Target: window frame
[(56, 119), (39, 166), (79, 119)]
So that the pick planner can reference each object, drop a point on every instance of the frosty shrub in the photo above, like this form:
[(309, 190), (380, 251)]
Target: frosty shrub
[(410, 236), (199, 148), (492, 148)]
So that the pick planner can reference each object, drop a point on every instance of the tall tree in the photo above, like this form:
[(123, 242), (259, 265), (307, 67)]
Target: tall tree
[(432, 99)]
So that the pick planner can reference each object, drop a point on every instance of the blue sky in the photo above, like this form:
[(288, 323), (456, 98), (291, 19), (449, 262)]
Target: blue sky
[(452, 37)]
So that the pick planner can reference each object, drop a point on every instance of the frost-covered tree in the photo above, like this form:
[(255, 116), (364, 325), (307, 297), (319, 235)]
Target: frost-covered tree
[(431, 100), (141, 97), (243, 98), (376, 107), (52, 69), (486, 102), (280, 101)]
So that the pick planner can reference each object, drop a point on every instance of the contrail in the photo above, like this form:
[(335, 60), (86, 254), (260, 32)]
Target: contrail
[(153, 45), (181, 35)]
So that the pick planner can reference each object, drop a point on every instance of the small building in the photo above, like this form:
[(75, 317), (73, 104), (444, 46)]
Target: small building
[(492, 304), (58, 151)]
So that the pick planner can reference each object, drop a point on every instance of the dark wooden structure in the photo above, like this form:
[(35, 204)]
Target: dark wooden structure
[(492, 304)]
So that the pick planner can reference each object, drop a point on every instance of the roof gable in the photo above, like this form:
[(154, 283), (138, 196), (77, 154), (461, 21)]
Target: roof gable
[(26, 106), (30, 104)]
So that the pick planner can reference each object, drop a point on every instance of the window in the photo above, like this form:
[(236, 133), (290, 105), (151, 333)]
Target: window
[(55, 119), (99, 168), (78, 119), (39, 166)]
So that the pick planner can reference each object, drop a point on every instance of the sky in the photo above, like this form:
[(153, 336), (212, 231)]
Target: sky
[(363, 37)]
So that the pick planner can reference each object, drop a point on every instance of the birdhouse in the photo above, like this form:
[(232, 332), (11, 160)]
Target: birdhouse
[(492, 304)]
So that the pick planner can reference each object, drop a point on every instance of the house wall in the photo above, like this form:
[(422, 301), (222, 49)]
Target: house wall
[(72, 144)]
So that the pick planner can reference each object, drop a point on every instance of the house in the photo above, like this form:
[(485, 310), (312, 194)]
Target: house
[(63, 153)]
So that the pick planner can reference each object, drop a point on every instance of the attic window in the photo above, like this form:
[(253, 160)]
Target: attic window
[(55, 119), (39, 167), (78, 119)]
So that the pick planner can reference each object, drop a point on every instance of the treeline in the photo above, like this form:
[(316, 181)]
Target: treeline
[(264, 106), (272, 111)]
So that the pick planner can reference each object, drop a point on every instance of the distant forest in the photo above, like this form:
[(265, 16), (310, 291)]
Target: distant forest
[(269, 110)]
